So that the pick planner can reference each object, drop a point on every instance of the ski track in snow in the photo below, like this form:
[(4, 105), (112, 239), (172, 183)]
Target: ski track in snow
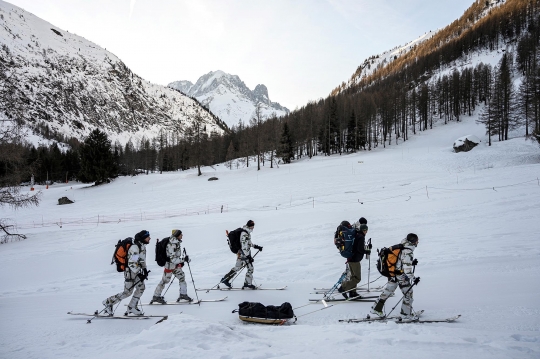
[(478, 256)]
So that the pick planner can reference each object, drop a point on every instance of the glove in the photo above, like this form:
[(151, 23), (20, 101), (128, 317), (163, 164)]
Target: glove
[(146, 271), (416, 280), (370, 246), (367, 251), (186, 259), (258, 247), (143, 276), (414, 262), (250, 259)]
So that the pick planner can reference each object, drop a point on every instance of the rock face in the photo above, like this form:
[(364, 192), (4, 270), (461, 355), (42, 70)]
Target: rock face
[(64, 200), (54, 80), (466, 143), (228, 97)]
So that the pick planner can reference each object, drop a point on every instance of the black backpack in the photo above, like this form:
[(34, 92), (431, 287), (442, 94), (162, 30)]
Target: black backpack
[(233, 238), (161, 252), (120, 253)]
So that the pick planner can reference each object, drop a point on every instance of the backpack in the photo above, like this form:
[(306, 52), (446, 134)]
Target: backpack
[(233, 238), (345, 241), (161, 252), (387, 259), (120, 253)]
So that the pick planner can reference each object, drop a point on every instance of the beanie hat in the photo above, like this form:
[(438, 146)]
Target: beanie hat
[(176, 232), (250, 223), (363, 227), (142, 235), (362, 220), (412, 238)]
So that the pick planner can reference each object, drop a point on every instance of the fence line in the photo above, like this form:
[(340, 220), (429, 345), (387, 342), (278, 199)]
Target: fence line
[(144, 216)]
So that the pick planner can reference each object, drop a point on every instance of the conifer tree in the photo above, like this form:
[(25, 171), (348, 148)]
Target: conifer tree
[(286, 151), (98, 163)]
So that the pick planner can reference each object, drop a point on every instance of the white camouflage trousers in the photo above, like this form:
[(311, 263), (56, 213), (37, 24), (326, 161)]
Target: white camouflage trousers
[(179, 274), (239, 264), (131, 283), (404, 285)]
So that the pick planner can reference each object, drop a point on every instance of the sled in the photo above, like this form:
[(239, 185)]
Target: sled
[(266, 320)]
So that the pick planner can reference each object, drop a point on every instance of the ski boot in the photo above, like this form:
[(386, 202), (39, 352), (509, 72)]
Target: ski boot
[(225, 281), (158, 299), (133, 310), (377, 308), (411, 317), (249, 286), (184, 297), (353, 295), (108, 310), (341, 290)]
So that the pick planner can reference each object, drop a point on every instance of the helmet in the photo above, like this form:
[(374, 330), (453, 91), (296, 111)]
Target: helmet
[(362, 220), (176, 232), (345, 224)]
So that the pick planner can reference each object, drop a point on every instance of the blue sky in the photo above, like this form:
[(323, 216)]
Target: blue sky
[(300, 49)]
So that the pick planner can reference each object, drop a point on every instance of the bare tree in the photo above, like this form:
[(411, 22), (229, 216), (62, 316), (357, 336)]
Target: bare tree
[(13, 170)]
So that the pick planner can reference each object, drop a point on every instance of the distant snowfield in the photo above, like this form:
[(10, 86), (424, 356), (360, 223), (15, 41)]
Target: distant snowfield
[(476, 214)]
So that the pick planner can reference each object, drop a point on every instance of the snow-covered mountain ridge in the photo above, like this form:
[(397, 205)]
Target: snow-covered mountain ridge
[(228, 97), (429, 41), (50, 77)]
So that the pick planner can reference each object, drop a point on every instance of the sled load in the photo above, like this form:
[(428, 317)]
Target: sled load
[(259, 313)]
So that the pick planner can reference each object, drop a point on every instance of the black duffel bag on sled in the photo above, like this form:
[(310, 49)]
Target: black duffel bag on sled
[(259, 313)]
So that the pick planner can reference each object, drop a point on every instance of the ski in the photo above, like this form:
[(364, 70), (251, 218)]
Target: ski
[(139, 317), (343, 300), (376, 289), (375, 319), (193, 302), (226, 288)]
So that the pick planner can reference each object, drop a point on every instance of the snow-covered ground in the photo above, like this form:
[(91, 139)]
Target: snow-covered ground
[(476, 214)]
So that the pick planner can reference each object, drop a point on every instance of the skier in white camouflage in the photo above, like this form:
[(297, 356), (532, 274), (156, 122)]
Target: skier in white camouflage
[(173, 267), (134, 275), (244, 258), (405, 264)]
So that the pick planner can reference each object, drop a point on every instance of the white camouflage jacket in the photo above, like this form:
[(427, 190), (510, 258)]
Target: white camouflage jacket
[(174, 252), (245, 242), (406, 258), (137, 258)]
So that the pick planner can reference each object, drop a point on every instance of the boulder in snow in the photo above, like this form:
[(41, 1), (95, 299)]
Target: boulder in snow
[(64, 200), (466, 143)]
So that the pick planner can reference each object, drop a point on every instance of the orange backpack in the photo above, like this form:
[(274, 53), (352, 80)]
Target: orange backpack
[(388, 257), (120, 254)]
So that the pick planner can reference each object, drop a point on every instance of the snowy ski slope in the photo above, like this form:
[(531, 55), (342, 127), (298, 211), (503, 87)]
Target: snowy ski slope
[(476, 214)]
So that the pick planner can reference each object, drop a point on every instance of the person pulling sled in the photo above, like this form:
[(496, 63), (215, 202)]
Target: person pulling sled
[(243, 254), (169, 256), (130, 258), (397, 263)]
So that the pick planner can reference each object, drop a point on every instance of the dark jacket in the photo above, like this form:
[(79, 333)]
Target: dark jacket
[(358, 247)]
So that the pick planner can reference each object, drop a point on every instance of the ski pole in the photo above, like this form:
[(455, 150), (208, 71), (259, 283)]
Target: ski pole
[(243, 266), (369, 263), (192, 281), (169, 286), (236, 275), (416, 281)]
